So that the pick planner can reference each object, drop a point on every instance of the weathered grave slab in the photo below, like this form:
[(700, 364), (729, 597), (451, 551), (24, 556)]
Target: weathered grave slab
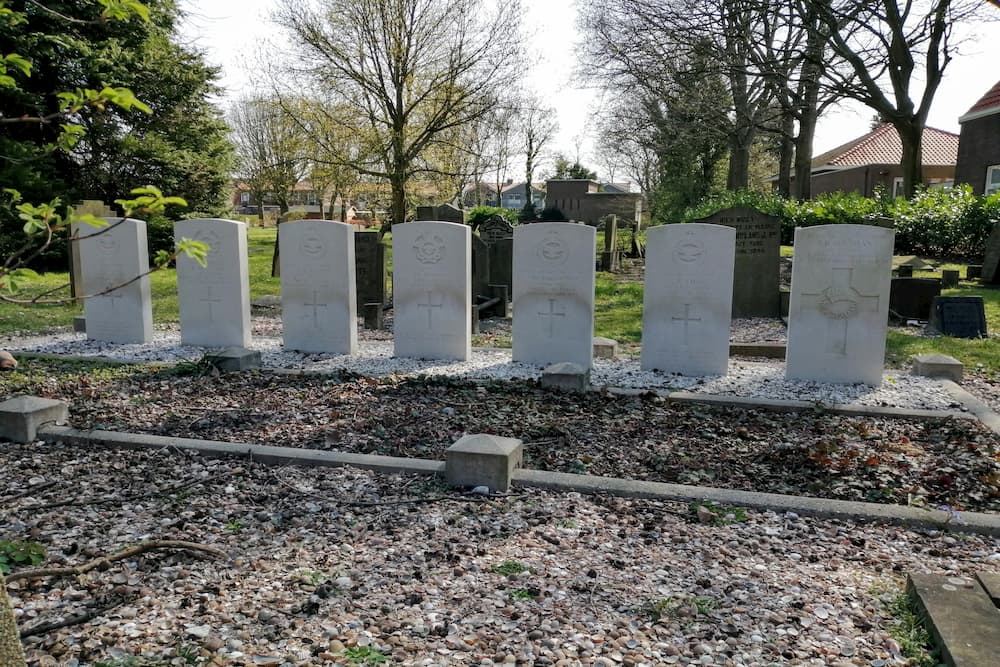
[(962, 618), (442, 213), (214, 299), (432, 297), (758, 249), (990, 581), (554, 293), (318, 295), (959, 316), (688, 300), (110, 256), (911, 298), (840, 303), (566, 376), (234, 359), (370, 269), (605, 348), (991, 257)]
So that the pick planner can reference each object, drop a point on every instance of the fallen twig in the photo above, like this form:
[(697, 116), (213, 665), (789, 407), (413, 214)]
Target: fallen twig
[(29, 492), (104, 561), (45, 628)]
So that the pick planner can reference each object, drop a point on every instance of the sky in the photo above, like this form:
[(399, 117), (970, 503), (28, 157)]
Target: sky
[(232, 32)]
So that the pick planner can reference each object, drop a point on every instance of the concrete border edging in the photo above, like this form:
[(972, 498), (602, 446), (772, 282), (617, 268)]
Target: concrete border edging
[(976, 407), (912, 517)]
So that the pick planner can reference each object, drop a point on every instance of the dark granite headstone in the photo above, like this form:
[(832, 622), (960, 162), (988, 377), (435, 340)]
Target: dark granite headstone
[(949, 277), (496, 228), (369, 269), (443, 213), (480, 268), (959, 316), (991, 260), (502, 263), (911, 298), (758, 247)]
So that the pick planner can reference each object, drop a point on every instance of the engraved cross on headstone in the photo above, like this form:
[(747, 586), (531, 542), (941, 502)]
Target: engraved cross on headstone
[(315, 305), (552, 314), (839, 303), (686, 320), (430, 306), (209, 301)]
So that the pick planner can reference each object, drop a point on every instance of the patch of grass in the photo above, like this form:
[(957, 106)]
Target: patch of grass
[(235, 526), (509, 568), (618, 309), (909, 631), (705, 605), (364, 655), (725, 514), (659, 609), (19, 554), (524, 593)]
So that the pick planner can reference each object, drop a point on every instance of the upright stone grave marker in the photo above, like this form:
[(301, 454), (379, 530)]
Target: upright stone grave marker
[(442, 213), (110, 257), (370, 269), (480, 268), (432, 296), (496, 228), (318, 310), (959, 316), (554, 293), (840, 304), (758, 249), (96, 208), (991, 259), (214, 300), (688, 300), (911, 298)]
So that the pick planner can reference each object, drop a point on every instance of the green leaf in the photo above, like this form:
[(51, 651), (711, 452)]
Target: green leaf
[(196, 250), (23, 64), (89, 219)]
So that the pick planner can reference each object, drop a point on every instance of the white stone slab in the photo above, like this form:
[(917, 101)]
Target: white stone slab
[(839, 306), (214, 300), (553, 293), (318, 294), (112, 256), (432, 296), (688, 298)]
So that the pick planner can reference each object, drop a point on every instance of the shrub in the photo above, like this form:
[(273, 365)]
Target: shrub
[(481, 214), (551, 214)]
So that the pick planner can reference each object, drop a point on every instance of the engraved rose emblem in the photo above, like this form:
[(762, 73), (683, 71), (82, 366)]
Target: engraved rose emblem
[(429, 249)]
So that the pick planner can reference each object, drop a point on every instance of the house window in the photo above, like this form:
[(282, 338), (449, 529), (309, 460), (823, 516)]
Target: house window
[(992, 179), (245, 198), (897, 187)]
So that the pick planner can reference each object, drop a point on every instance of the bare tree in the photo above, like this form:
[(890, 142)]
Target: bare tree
[(892, 48), (415, 69), (537, 127)]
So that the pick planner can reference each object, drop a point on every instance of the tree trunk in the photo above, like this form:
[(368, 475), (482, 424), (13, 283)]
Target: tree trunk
[(911, 135), (738, 176), (397, 214), (11, 651), (786, 153), (808, 112), (275, 263)]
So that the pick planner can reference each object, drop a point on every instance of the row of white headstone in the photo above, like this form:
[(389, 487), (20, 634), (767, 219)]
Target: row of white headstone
[(837, 318)]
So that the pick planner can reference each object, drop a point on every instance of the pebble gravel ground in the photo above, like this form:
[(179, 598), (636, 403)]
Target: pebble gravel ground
[(323, 566), (761, 379)]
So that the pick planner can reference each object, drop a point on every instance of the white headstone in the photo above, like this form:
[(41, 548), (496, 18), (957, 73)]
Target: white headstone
[(554, 293), (432, 297), (111, 256), (839, 307), (318, 295), (214, 300), (688, 298)]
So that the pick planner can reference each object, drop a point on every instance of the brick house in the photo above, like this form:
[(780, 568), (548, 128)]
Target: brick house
[(874, 159), (588, 201), (979, 144)]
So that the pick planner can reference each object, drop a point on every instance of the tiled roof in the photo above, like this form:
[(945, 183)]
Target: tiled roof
[(990, 102), (882, 146)]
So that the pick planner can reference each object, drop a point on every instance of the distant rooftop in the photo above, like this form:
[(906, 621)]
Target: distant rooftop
[(988, 104), (882, 146)]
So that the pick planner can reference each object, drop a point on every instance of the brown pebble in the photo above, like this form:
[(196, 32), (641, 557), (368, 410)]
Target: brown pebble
[(7, 361)]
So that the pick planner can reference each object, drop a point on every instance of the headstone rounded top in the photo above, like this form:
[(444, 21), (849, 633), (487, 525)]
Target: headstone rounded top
[(846, 230), (234, 222)]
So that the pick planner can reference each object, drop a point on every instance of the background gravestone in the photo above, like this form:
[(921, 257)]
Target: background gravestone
[(959, 316), (318, 310), (442, 213), (554, 293), (111, 256), (480, 268), (758, 249), (370, 269), (911, 298), (991, 259), (214, 300), (499, 237), (688, 299), (839, 310), (431, 290), (496, 228), (96, 208)]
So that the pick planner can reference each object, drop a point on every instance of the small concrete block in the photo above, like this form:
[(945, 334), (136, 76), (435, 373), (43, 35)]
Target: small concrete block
[(566, 376), (21, 417), (938, 366), (483, 460), (80, 324), (605, 348), (234, 359), (961, 616)]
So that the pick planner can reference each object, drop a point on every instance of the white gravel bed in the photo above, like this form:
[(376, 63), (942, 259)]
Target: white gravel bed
[(746, 379), (536, 578)]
